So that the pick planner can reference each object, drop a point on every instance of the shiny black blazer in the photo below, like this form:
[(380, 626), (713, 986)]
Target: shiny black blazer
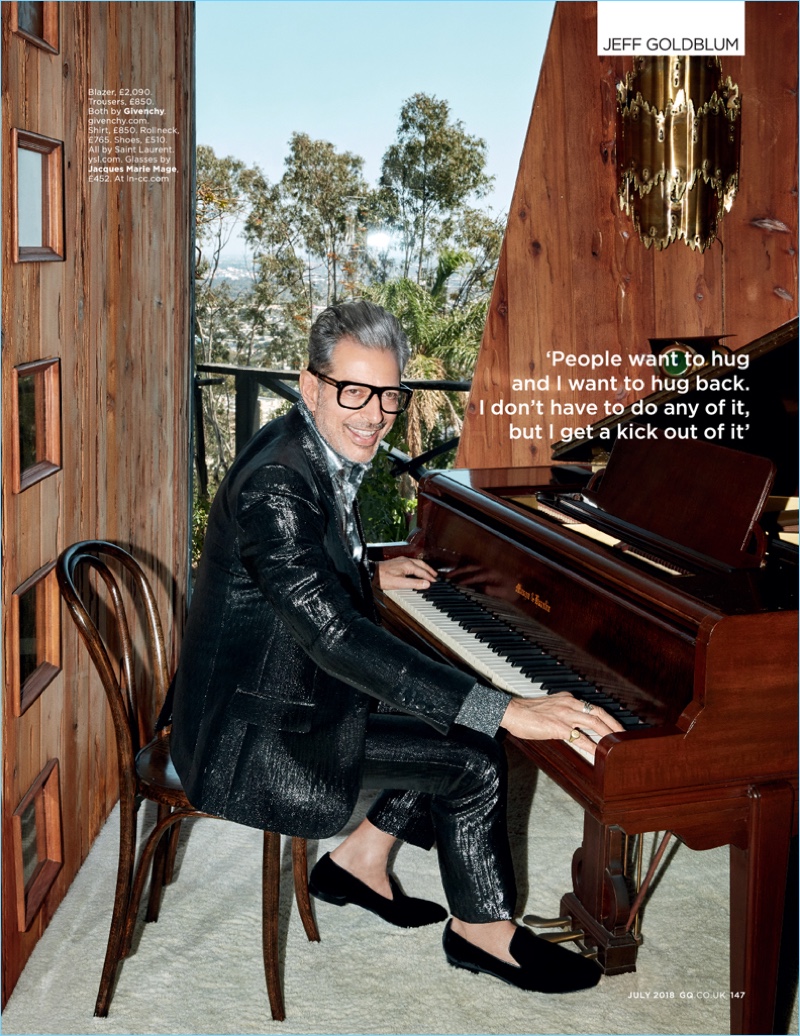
[(282, 654)]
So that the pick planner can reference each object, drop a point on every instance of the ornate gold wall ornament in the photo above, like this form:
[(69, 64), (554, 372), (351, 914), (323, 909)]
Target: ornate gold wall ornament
[(678, 130)]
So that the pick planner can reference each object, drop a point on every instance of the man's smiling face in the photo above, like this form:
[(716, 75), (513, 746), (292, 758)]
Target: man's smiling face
[(354, 434)]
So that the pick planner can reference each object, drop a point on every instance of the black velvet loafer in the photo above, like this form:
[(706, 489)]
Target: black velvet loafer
[(331, 883), (544, 967)]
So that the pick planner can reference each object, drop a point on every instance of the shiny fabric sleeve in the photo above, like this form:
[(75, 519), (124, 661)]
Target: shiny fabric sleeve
[(282, 529), (483, 709)]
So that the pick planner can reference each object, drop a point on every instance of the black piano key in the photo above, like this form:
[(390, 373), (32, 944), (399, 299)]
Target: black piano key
[(527, 650), (519, 653), (633, 722), (542, 672), (534, 662), (563, 675), (497, 634), (558, 688), (494, 633)]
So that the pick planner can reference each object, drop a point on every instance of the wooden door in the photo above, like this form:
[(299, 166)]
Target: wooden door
[(95, 365)]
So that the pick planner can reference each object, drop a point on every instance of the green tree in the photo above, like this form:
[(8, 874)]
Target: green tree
[(281, 302), (478, 236), (221, 201), (328, 196), (444, 344), (428, 173), (221, 204)]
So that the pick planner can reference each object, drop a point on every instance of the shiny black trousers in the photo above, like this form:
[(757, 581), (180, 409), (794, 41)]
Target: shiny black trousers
[(452, 791)]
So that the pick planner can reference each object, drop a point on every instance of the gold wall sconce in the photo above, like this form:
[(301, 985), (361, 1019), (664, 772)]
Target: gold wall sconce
[(678, 134)]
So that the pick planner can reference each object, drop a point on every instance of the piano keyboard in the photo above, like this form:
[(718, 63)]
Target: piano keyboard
[(499, 654)]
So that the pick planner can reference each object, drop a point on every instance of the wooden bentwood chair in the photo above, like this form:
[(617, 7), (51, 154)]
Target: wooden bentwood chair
[(147, 772)]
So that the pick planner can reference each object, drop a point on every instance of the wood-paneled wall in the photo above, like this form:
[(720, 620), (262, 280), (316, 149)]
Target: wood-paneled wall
[(574, 276), (116, 312)]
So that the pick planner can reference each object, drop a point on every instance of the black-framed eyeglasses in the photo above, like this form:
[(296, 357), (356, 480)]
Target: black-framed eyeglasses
[(352, 395)]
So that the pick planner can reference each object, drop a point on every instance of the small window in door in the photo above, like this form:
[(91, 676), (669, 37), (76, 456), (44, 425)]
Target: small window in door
[(37, 228), (36, 408), (35, 637), (36, 827), (37, 23)]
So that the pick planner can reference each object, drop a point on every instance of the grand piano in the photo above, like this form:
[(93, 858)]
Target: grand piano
[(662, 586)]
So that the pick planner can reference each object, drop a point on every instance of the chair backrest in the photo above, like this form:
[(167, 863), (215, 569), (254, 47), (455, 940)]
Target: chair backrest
[(133, 716)]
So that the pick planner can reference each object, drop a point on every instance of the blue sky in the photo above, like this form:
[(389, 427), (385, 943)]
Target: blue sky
[(340, 70)]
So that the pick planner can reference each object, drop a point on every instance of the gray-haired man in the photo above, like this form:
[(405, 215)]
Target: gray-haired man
[(275, 722)]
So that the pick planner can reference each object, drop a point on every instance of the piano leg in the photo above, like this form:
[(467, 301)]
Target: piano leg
[(758, 883), (600, 903)]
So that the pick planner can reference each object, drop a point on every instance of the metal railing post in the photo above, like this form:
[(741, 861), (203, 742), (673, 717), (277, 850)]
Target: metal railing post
[(248, 417), (200, 443)]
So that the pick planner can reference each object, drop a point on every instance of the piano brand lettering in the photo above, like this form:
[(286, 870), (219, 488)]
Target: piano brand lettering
[(531, 595)]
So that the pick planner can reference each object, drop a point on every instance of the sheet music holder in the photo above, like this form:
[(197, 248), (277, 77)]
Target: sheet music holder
[(698, 500)]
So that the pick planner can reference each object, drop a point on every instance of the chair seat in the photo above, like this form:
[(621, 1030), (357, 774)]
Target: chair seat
[(157, 773)]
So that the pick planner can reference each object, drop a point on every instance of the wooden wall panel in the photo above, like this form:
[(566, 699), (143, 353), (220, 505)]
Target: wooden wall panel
[(574, 275), (116, 312), (764, 232)]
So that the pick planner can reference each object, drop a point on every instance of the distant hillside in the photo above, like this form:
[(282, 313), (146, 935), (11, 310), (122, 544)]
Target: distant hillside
[(236, 272)]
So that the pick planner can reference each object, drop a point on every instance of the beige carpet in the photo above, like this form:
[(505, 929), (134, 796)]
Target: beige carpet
[(199, 970)]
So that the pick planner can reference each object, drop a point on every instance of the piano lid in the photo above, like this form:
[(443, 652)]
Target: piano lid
[(771, 398)]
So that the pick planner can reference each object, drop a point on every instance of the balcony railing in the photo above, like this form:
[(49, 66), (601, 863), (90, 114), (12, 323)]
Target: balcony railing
[(248, 381)]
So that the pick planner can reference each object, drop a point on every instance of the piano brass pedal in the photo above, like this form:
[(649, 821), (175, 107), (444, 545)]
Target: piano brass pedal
[(546, 922), (562, 936), (589, 954)]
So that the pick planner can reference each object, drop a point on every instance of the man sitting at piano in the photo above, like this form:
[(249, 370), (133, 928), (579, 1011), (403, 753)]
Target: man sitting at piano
[(275, 723)]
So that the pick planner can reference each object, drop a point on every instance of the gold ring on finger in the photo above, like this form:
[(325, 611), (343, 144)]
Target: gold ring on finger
[(574, 734)]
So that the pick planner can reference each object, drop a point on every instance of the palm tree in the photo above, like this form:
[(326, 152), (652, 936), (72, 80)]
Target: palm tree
[(444, 342)]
